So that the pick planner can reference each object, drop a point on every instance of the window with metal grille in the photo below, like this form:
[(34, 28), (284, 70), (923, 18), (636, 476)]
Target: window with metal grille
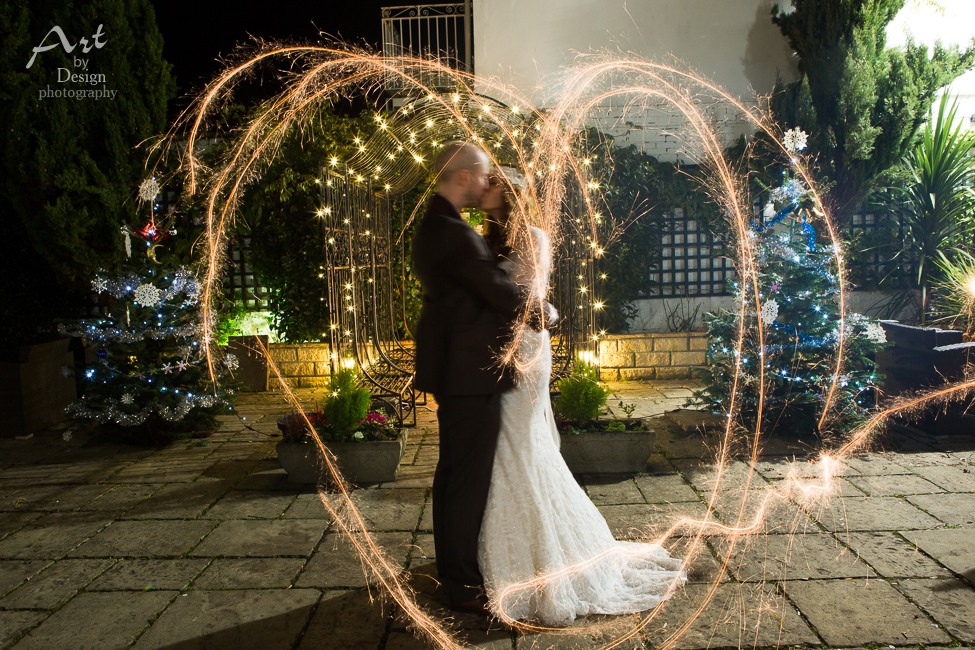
[(242, 285)]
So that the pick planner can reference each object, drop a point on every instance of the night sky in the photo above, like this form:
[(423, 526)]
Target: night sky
[(195, 39)]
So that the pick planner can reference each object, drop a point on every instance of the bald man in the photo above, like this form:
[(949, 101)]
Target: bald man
[(468, 310)]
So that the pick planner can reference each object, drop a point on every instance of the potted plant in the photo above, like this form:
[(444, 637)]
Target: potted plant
[(366, 444), (594, 445)]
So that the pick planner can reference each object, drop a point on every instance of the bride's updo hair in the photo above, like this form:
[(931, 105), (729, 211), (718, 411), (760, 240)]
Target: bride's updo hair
[(496, 234)]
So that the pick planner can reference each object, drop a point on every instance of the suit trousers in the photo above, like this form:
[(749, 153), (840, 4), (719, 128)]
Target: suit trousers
[(469, 429)]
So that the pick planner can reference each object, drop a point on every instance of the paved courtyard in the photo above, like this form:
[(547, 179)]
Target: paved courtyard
[(204, 544)]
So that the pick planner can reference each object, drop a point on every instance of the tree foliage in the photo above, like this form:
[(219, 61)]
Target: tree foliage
[(281, 213), (861, 102), (71, 167), (642, 193)]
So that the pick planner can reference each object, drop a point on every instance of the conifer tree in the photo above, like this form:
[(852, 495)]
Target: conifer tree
[(790, 345), (69, 165), (152, 381), (862, 101)]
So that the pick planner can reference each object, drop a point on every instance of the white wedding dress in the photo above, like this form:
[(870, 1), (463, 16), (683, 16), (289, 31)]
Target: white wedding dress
[(545, 551)]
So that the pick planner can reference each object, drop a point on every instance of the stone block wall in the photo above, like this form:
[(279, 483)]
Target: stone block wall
[(303, 365), (665, 355)]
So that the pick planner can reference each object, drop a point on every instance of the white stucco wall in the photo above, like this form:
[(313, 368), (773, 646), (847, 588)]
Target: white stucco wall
[(525, 43), (652, 312), (953, 23)]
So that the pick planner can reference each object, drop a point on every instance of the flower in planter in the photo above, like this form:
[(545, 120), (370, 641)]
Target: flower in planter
[(344, 416)]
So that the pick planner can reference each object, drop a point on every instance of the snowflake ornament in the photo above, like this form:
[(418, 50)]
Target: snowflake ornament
[(149, 189), (99, 284), (875, 332), (181, 365), (231, 361), (167, 368), (795, 140), (770, 311), (128, 398), (147, 295)]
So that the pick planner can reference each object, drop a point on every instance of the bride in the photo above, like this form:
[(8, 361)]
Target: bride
[(545, 551)]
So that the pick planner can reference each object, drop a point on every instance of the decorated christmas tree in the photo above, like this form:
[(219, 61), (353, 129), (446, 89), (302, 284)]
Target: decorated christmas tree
[(795, 335), (152, 381)]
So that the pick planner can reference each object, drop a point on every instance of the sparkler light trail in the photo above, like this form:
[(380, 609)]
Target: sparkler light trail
[(547, 147)]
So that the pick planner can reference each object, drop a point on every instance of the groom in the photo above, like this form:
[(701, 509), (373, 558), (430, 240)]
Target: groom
[(469, 307)]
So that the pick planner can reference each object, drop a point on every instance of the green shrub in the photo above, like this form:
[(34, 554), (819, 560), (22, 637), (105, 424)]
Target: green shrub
[(346, 404), (581, 398)]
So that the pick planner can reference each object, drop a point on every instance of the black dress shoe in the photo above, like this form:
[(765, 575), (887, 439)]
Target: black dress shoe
[(477, 606)]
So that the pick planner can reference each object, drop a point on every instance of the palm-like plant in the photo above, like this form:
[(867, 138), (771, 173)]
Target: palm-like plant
[(937, 208)]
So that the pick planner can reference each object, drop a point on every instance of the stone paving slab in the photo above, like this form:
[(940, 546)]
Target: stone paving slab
[(810, 556), (876, 465), (738, 616), (760, 511), (261, 538), (55, 585), (54, 535), (954, 548), (385, 510), (642, 522), (11, 522), (665, 489), (850, 613), (147, 575), (894, 485), (13, 572), (256, 573), (123, 497), (335, 563), (179, 501), (954, 479), (871, 513), (591, 632), (249, 504), (704, 475), (609, 491), (892, 556), (703, 567), (953, 509), (950, 602), (345, 620), (98, 621), (242, 620), (13, 624), (145, 539)]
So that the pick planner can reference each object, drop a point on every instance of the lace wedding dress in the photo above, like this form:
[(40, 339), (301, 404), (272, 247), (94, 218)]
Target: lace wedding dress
[(545, 551)]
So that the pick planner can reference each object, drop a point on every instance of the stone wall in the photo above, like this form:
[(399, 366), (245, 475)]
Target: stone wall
[(666, 355), (304, 365)]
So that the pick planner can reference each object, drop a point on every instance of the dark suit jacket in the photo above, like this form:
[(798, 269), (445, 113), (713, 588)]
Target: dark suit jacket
[(468, 309)]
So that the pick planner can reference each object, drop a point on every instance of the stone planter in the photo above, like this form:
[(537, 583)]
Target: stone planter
[(359, 462), (33, 390), (608, 452), (252, 372)]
